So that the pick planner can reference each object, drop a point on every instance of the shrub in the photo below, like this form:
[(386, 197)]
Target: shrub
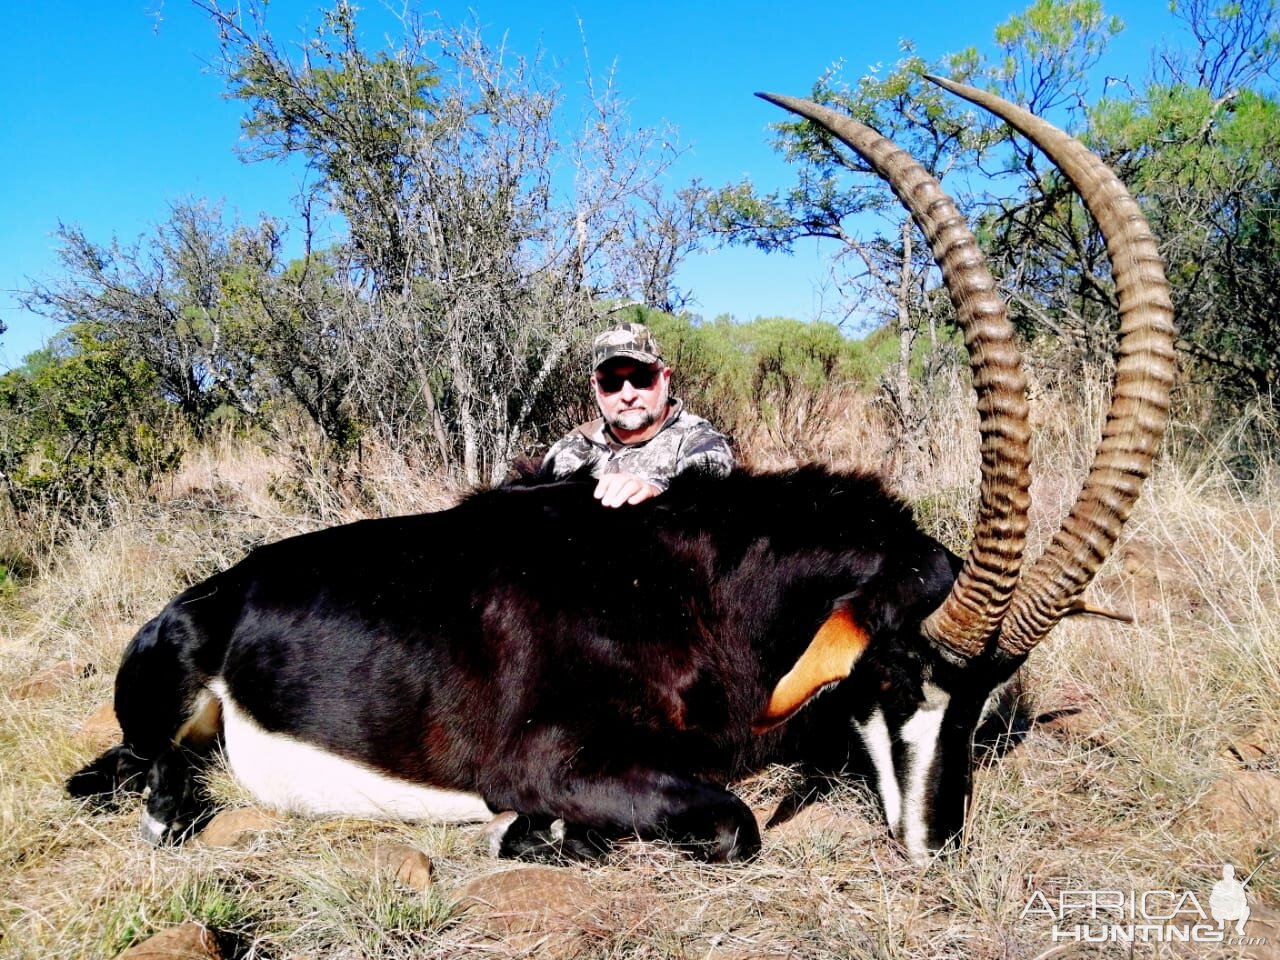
[(76, 416)]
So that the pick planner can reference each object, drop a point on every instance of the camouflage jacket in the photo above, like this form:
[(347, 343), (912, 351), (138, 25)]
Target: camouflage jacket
[(685, 442)]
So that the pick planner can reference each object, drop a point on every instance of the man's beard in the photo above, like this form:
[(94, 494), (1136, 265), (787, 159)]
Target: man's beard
[(631, 420)]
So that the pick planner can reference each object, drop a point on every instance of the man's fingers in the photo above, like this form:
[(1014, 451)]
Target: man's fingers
[(615, 489), (604, 485), (646, 491), (608, 487), (621, 492)]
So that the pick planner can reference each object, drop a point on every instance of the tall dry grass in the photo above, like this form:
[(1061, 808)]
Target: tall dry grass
[(1106, 792)]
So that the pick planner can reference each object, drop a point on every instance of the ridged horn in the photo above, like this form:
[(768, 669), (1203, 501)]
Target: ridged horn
[(969, 617), (1145, 369)]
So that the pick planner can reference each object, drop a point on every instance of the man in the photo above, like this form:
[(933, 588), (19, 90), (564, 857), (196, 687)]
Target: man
[(644, 437)]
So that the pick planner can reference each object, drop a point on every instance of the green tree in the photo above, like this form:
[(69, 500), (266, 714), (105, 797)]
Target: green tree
[(1197, 146), (77, 416), (228, 331), (485, 230), (354, 117), (164, 303), (1196, 141), (884, 272), (1200, 145)]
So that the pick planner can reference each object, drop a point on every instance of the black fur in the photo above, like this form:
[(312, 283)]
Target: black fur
[(563, 660)]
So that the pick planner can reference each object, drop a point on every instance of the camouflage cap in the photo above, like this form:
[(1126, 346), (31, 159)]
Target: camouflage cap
[(631, 340)]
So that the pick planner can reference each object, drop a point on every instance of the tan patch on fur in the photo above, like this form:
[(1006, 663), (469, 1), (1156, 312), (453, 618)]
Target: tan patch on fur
[(829, 658), (204, 724)]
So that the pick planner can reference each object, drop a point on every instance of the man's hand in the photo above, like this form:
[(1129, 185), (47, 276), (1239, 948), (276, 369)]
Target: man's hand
[(615, 489)]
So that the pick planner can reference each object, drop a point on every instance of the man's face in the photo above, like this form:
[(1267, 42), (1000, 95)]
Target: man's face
[(632, 396)]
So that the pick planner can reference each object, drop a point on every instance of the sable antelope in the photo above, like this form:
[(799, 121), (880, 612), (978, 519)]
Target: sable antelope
[(606, 673)]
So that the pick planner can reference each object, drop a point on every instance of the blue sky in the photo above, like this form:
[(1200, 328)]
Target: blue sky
[(109, 110)]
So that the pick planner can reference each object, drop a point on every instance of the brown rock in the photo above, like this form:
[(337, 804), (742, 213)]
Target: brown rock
[(191, 941), (1243, 806), (231, 828), (1074, 715), (403, 864), (49, 681), (101, 728), (1256, 745), (549, 909)]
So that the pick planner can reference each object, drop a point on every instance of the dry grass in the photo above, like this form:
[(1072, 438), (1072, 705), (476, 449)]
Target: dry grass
[(1097, 798)]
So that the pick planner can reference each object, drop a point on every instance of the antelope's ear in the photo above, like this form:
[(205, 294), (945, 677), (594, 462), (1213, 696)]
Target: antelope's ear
[(828, 659)]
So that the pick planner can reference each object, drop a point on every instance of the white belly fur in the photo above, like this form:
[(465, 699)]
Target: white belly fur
[(296, 777)]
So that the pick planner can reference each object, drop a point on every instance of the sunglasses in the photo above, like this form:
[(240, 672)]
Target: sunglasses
[(640, 379)]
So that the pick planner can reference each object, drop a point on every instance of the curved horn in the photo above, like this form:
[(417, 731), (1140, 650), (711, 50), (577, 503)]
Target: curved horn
[(972, 612), (1145, 370)]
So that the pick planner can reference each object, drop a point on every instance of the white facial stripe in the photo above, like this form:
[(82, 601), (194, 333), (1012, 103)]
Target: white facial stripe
[(152, 829), (298, 777), (875, 734), (920, 733)]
